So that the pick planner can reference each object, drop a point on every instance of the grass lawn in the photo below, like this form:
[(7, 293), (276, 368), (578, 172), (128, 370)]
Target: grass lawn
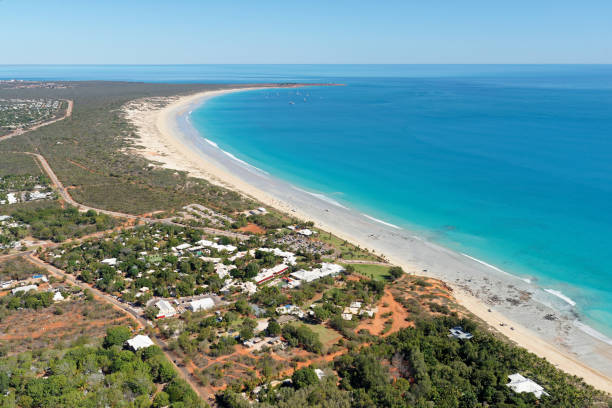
[(327, 336), (378, 272), (348, 250)]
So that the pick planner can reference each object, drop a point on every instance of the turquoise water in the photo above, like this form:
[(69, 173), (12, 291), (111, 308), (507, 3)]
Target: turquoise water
[(507, 163), (516, 171)]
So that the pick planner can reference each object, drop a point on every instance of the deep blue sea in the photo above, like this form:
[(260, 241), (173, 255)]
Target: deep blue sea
[(511, 164)]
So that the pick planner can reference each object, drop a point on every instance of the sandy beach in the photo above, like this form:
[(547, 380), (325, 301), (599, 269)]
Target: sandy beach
[(529, 316)]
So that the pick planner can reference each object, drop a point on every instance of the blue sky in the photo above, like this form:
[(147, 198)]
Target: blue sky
[(288, 31)]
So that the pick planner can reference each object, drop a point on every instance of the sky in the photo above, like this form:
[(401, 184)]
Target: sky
[(295, 32)]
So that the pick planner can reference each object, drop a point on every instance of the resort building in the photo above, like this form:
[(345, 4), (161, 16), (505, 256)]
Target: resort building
[(165, 309), (24, 289), (458, 333), (326, 269), (520, 384), (140, 342), (110, 261), (267, 274), (201, 304)]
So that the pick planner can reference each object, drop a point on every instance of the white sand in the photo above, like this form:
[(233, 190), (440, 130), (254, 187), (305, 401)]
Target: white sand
[(167, 137)]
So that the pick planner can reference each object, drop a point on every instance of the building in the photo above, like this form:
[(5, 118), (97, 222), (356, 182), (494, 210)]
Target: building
[(520, 384), (458, 333), (58, 297), (218, 247), (326, 269), (290, 310), (288, 257), (267, 274), (181, 247), (140, 342), (24, 289), (110, 261), (165, 309), (201, 304), (306, 232)]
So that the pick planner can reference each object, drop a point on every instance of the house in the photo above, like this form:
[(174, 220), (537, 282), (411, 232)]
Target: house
[(347, 316), (267, 274), (140, 342), (306, 232), (24, 289), (58, 297), (201, 304), (181, 247), (520, 384), (165, 309), (458, 333), (110, 261), (290, 310)]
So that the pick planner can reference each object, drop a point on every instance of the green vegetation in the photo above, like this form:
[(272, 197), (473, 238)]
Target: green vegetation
[(88, 151), (17, 164), (89, 376), (58, 224), (378, 272), (302, 336), (423, 367), (18, 269), (29, 300), (21, 114)]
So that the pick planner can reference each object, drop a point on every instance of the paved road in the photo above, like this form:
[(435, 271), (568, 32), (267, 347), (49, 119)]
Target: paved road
[(141, 321)]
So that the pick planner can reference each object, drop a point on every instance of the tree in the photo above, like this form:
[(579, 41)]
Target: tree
[(273, 329), (116, 336), (151, 312), (396, 272), (246, 331), (304, 377)]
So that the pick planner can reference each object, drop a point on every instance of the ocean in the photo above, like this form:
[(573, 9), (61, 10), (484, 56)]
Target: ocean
[(509, 164)]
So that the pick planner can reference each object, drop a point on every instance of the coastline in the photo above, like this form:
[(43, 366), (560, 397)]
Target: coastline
[(167, 137)]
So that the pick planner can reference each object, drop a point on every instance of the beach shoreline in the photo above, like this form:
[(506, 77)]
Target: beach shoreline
[(167, 137)]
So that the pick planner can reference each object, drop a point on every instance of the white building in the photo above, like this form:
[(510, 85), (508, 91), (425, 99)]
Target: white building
[(110, 261), (223, 270), (140, 342), (24, 289), (218, 247), (306, 232), (288, 257), (165, 309), (267, 274), (326, 269), (57, 297), (181, 247), (458, 333), (520, 384), (201, 304), (320, 373)]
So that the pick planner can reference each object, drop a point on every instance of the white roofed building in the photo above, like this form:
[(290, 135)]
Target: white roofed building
[(24, 289), (140, 342), (520, 384), (326, 269), (201, 304), (165, 309), (110, 261), (267, 274)]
